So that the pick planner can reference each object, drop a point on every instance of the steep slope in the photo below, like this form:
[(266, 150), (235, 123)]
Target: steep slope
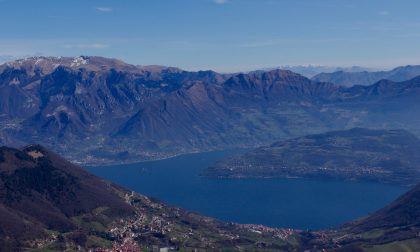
[(204, 115), (48, 203), (395, 227), (358, 154), (278, 86), (403, 212), (40, 191), (65, 101), (97, 110), (348, 79)]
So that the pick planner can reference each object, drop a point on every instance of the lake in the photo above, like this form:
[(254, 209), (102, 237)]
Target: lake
[(293, 203)]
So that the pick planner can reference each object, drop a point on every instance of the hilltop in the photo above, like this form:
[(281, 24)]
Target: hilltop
[(48, 203), (96, 110), (389, 156)]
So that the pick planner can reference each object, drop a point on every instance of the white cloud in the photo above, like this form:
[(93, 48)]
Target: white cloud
[(86, 46), (220, 1), (104, 9)]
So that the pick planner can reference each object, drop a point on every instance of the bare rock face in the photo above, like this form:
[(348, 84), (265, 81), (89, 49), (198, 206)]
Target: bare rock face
[(94, 109)]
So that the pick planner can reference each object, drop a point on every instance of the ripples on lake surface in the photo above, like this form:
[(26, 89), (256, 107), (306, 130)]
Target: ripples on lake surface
[(294, 203)]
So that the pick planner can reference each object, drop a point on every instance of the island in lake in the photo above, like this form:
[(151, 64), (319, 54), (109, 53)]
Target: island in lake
[(49, 204), (388, 156)]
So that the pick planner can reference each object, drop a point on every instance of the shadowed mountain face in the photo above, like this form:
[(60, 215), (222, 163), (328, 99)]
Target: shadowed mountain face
[(98, 110), (389, 156), (50, 204), (348, 79), (403, 212), (40, 191), (395, 227)]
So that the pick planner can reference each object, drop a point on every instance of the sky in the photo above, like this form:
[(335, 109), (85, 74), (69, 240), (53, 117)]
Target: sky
[(223, 35)]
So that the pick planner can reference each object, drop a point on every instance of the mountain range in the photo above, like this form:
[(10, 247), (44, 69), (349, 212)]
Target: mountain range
[(97, 110), (50, 204), (310, 71), (351, 78), (387, 156)]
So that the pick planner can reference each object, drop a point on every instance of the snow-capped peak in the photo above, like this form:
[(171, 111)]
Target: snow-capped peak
[(79, 61)]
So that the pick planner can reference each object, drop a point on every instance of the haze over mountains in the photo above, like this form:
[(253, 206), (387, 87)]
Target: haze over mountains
[(99, 110), (259, 125), (310, 71), (351, 78)]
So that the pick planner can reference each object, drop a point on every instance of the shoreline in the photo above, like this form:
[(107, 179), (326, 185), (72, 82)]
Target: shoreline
[(157, 159)]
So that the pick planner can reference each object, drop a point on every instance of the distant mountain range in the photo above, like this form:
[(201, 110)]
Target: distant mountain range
[(97, 110), (388, 156), (49, 204), (310, 71), (351, 78)]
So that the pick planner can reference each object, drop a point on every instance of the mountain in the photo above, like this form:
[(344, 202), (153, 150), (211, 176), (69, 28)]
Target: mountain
[(389, 156), (395, 227), (49, 204), (403, 212), (42, 193), (310, 71), (348, 79), (98, 110)]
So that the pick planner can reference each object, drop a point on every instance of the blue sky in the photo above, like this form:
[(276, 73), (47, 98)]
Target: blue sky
[(224, 35)]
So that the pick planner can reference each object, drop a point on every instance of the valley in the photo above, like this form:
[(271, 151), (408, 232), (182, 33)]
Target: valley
[(40, 189), (305, 204), (95, 110), (101, 111), (50, 204), (209, 125)]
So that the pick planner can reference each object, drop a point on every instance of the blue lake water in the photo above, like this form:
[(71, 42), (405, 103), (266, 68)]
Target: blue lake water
[(294, 203)]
